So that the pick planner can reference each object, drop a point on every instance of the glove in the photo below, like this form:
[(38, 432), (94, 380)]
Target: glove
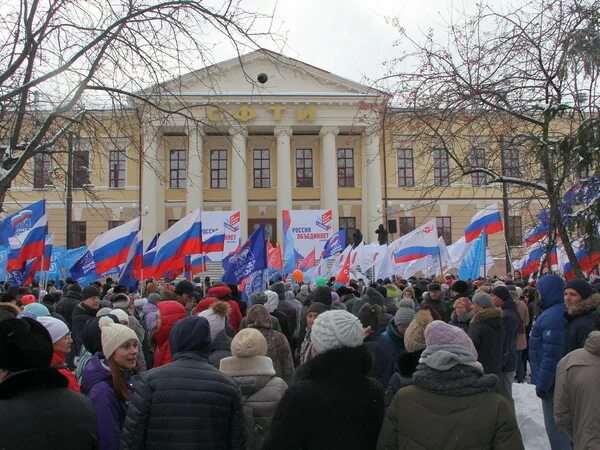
[(541, 393)]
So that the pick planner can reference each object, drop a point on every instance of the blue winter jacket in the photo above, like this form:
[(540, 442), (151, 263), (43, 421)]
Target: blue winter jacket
[(546, 340)]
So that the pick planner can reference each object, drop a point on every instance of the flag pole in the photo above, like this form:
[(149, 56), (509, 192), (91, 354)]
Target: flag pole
[(484, 253)]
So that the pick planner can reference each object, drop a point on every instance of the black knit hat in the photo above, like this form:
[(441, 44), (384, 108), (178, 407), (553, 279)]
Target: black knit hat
[(582, 287), (460, 286), (24, 344), (502, 293), (89, 292)]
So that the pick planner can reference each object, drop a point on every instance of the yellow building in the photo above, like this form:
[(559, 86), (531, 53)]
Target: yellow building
[(297, 138)]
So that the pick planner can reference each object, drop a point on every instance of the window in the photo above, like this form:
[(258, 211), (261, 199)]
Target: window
[(116, 168), (444, 228), (515, 231), (441, 167), (477, 159), (345, 163), (406, 174), (81, 168), (42, 170), (348, 224), (218, 169), (405, 225), (510, 162), (304, 167), (78, 233), (177, 169), (115, 223), (262, 168)]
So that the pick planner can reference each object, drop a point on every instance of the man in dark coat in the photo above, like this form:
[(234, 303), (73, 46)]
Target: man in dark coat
[(436, 301), (187, 404), (510, 321), (90, 302), (67, 304), (546, 346), (334, 404), (487, 333), (37, 410), (581, 301)]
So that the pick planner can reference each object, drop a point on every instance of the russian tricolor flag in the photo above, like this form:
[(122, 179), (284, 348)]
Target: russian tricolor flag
[(588, 260), (537, 233), (487, 219), (214, 244), (131, 273), (110, 249), (417, 244), (26, 231), (183, 238)]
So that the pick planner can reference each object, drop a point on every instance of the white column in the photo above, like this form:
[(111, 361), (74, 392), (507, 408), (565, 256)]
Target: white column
[(194, 196), (284, 178), (329, 184), (239, 177), (153, 189), (372, 165)]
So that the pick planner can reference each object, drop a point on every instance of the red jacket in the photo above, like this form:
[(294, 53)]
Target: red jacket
[(58, 361), (170, 312)]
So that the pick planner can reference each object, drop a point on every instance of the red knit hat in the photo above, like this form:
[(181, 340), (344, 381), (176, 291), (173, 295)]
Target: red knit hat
[(28, 299)]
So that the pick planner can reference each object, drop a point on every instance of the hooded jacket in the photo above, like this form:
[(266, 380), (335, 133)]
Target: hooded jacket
[(546, 340), (38, 412), (170, 312), (579, 322), (96, 383), (510, 321), (487, 333), (576, 407), (334, 406), (278, 347), (187, 404)]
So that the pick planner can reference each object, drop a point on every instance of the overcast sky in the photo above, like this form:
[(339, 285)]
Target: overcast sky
[(353, 38)]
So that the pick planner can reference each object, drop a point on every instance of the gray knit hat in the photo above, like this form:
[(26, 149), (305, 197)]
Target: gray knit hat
[(482, 299), (405, 313), (336, 329)]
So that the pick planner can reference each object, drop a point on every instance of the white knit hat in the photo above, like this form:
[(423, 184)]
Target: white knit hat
[(114, 335), (336, 329), (121, 315), (57, 329)]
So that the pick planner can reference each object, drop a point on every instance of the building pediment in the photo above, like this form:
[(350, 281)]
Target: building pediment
[(286, 77)]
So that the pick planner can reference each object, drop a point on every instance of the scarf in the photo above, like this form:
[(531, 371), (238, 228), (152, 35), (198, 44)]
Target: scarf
[(459, 381)]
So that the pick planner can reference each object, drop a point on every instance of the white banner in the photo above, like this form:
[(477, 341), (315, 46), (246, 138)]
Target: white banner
[(309, 229), (220, 229)]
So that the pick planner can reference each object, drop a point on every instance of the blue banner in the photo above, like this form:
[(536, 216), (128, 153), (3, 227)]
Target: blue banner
[(475, 259), (3, 260), (250, 257), (56, 263)]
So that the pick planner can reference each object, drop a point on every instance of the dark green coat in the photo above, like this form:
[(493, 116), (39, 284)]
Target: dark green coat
[(418, 420)]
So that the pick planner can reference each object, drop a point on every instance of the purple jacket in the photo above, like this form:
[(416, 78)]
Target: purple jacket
[(96, 383), (151, 313)]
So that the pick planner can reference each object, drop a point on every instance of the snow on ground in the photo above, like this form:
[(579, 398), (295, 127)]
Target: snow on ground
[(530, 417)]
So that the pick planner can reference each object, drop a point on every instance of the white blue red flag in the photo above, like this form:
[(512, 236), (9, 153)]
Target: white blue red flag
[(487, 219), (25, 232)]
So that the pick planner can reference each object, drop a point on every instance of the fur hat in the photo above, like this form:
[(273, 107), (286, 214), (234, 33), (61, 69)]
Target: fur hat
[(258, 298), (483, 299), (460, 286), (114, 335), (89, 292), (24, 344), (216, 315), (249, 342), (405, 313), (434, 287), (37, 309), (279, 289), (582, 287), (316, 307), (414, 336), (336, 329), (56, 328), (441, 333), (322, 294)]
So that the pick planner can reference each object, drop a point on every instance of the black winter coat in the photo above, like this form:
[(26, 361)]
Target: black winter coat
[(487, 333), (66, 305), (510, 320), (579, 322), (39, 412), (403, 371), (187, 404), (334, 406), (384, 357), (81, 314)]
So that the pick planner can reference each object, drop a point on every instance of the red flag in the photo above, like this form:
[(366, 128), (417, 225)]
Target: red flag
[(308, 262), (343, 277), (274, 259)]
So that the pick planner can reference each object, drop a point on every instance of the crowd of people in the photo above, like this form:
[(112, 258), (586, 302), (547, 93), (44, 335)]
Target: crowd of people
[(393, 364)]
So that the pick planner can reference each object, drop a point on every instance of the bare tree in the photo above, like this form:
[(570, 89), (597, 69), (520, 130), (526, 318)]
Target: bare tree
[(521, 85), (86, 66)]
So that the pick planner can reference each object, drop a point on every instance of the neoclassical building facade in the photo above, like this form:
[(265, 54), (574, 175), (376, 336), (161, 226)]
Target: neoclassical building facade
[(260, 134)]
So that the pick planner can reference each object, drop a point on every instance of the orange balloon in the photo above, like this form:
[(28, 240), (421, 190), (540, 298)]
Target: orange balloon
[(298, 275)]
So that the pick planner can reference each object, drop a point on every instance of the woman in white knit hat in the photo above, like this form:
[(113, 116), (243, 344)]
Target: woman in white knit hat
[(261, 388), (106, 380), (61, 345), (333, 404)]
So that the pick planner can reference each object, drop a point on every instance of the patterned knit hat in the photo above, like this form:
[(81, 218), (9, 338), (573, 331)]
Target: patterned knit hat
[(249, 342), (336, 329), (441, 333), (114, 335)]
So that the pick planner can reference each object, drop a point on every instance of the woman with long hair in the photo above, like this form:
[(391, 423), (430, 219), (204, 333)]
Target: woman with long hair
[(106, 380)]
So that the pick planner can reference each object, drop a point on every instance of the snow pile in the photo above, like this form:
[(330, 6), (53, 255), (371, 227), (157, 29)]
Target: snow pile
[(530, 417)]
